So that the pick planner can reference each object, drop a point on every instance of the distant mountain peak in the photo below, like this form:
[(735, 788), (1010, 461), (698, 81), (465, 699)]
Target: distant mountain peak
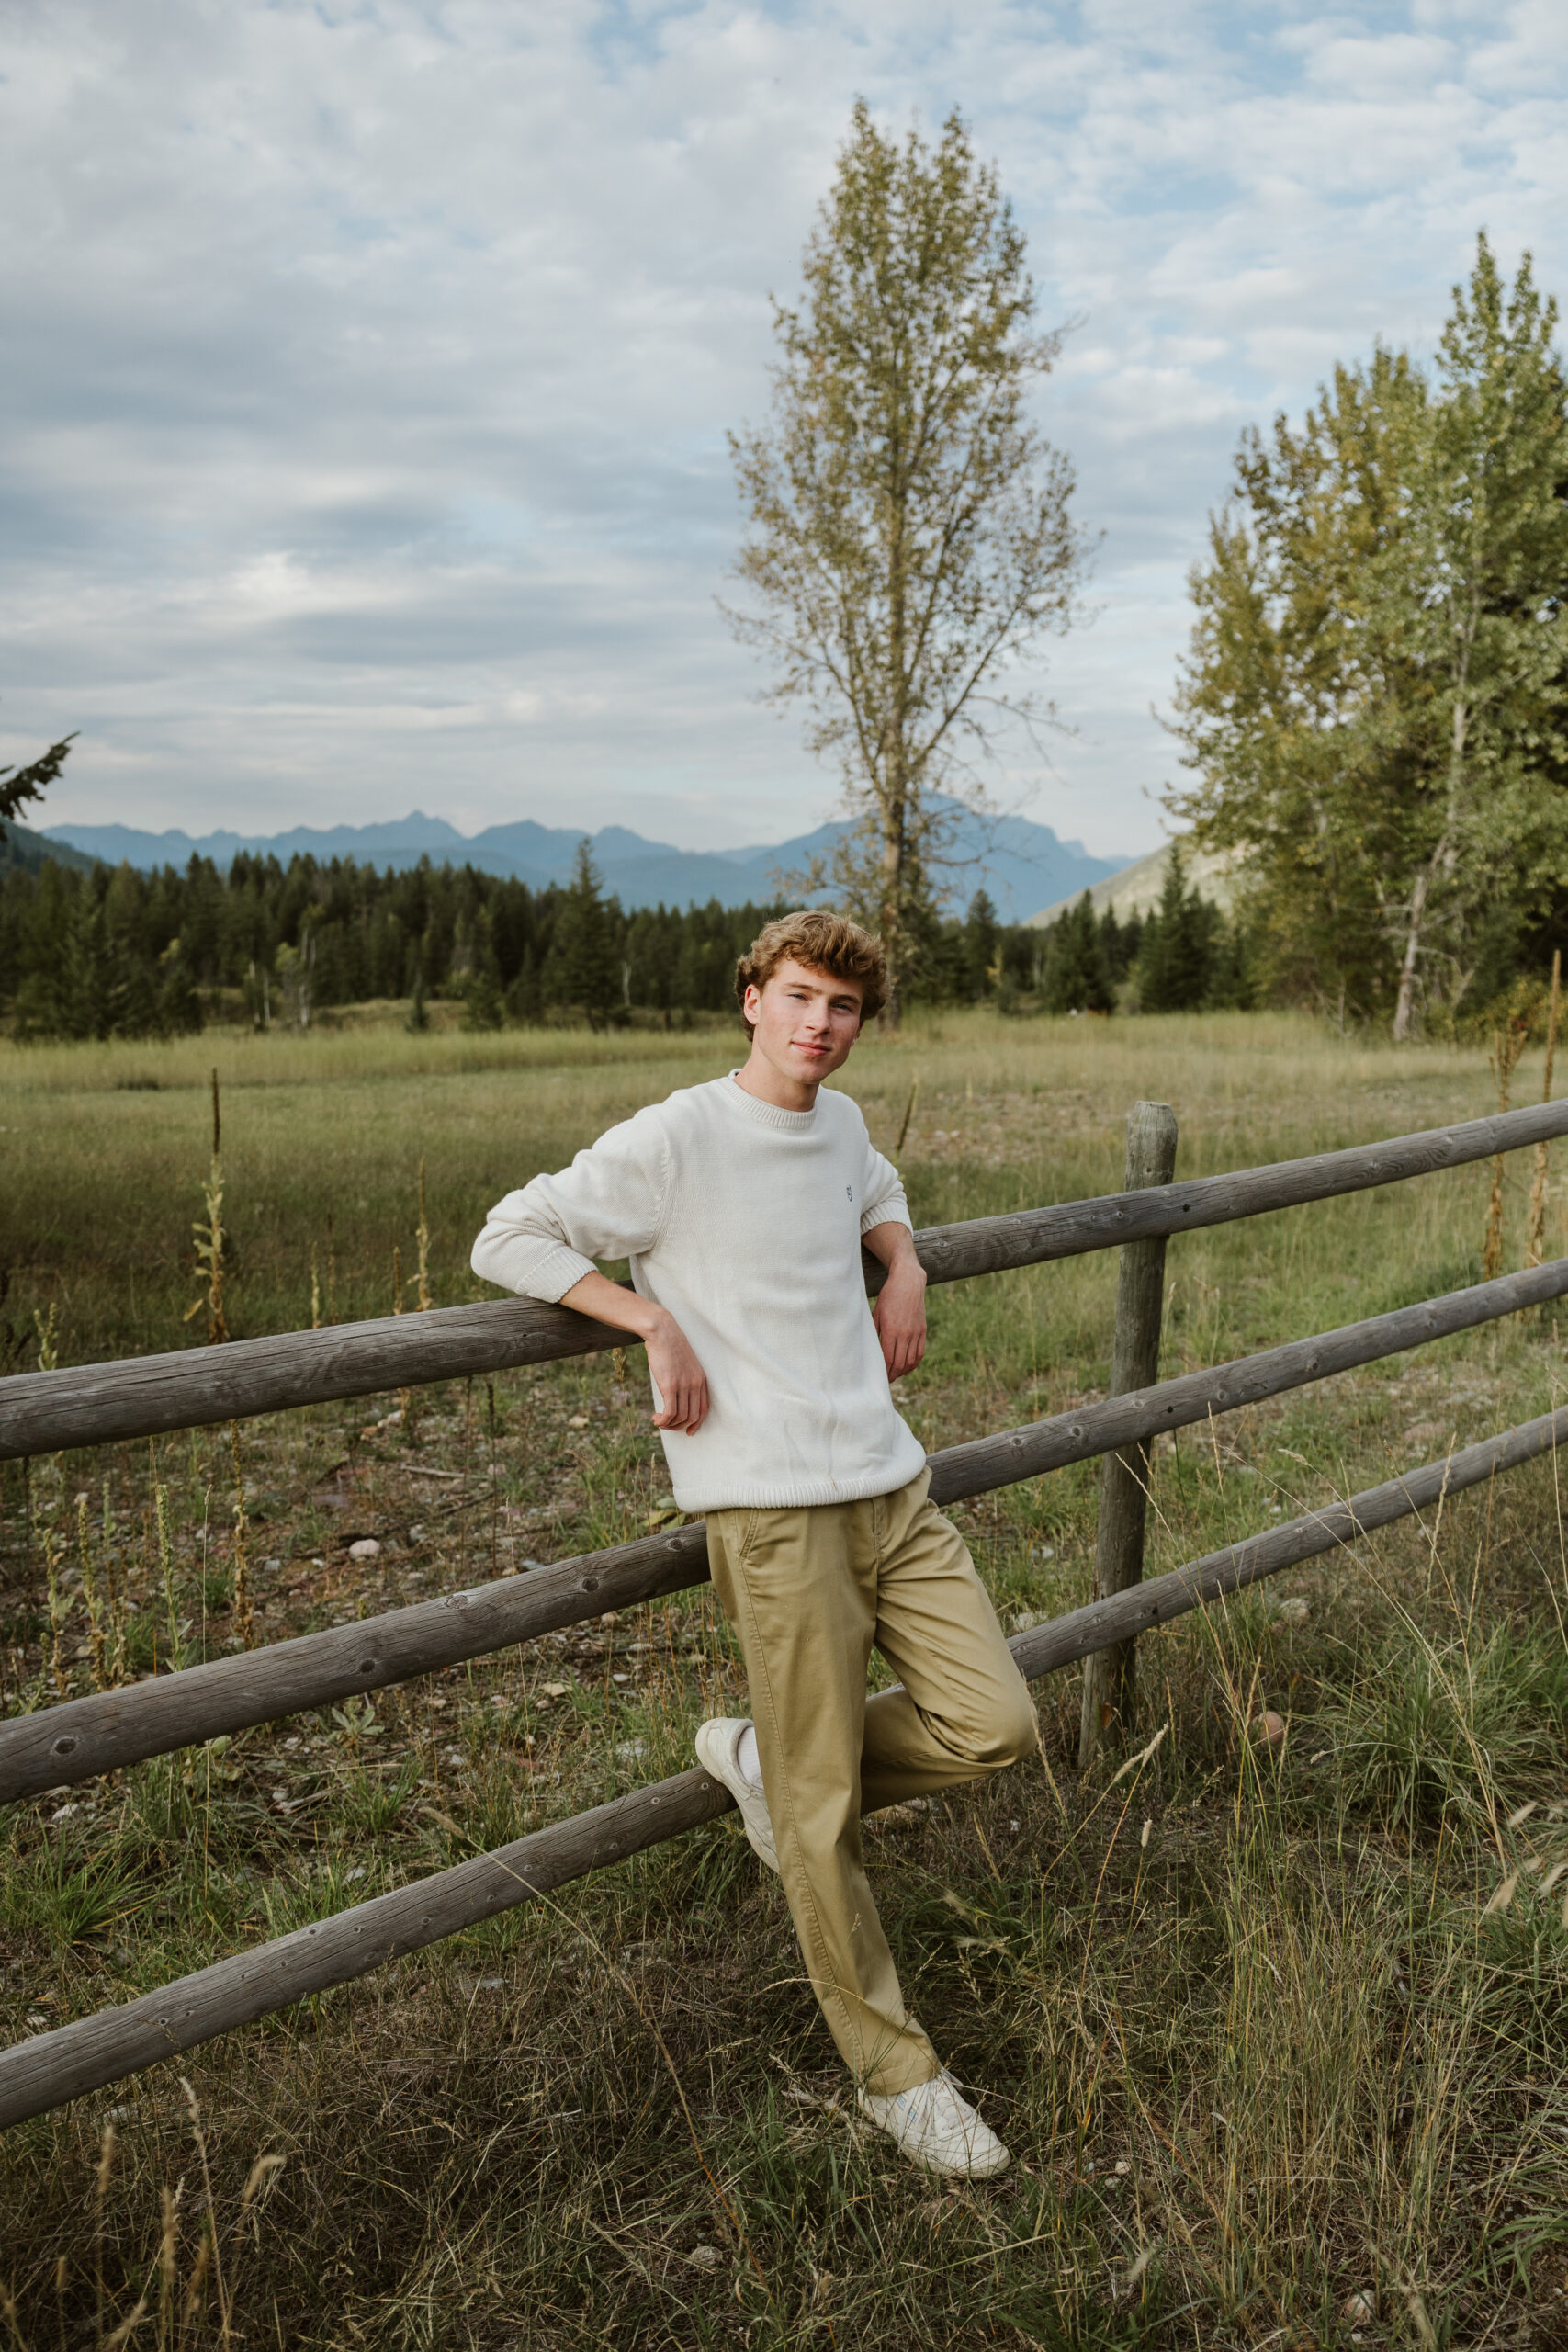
[(1023, 865)]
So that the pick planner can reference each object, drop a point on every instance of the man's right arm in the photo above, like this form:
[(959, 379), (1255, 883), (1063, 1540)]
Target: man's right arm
[(542, 1242), (677, 1376), (608, 1204)]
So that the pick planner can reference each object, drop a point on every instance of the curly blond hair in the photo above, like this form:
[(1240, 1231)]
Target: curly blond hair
[(824, 941)]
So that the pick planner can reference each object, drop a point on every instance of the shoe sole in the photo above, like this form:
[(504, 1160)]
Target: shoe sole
[(715, 1771), (964, 2172)]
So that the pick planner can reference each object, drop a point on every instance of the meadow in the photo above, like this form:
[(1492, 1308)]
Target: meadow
[(1276, 2035)]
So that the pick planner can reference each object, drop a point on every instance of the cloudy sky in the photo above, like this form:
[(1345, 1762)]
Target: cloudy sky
[(368, 364)]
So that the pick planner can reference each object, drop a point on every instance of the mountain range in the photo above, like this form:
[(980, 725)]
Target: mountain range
[(1024, 867), (1136, 889), (21, 847)]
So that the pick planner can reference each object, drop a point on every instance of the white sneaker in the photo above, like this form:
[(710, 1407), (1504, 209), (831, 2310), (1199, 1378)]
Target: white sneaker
[(936, 2126), (718, 1746)]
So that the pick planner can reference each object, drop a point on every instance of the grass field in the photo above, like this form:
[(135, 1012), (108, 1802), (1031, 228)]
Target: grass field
[(1278, 2039)]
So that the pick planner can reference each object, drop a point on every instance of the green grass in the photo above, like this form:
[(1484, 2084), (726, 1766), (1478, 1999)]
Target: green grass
[(1265, 2030), (105, 1150)]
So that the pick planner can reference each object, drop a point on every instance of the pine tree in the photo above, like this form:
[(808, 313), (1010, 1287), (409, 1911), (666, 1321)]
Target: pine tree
[(982, 941), (525, 999), (1076, 979), (179, 1002), (21, 784), (483, 1006), (1177, 958), (92, 981), (585, 945)]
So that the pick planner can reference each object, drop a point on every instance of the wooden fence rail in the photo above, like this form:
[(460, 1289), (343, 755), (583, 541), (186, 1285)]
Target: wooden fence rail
[(53, 2067), (44, 1412), (85, 1737)]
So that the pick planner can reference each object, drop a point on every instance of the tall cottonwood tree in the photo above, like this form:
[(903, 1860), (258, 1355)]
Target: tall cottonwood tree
[(909, 534), (1297, 695), (1489, 617), (1374, 698)]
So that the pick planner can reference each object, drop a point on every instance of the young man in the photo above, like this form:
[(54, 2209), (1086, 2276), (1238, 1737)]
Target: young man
[(742, 1205)]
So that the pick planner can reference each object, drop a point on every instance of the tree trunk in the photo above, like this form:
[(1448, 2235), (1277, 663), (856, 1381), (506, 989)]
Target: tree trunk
[(894, 793), (1404, 1009), (891, 922), (1444, 855)]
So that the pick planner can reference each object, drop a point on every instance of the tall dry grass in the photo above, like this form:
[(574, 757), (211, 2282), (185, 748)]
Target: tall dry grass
[(103, 1166), (1277, 2036)]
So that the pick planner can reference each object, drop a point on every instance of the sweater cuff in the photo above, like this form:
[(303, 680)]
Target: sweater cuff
[(532, 1266), (558, 1272), (893, 1212)]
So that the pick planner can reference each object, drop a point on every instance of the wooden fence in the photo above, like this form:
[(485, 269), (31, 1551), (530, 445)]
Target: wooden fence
[(93, 1404), (99, 1403)]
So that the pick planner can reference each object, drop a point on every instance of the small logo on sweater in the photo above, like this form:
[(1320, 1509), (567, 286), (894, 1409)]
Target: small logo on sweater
[(848, 1191)]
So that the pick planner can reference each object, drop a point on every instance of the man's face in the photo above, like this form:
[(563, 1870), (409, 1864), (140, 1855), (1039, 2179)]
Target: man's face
[(804, 1021)]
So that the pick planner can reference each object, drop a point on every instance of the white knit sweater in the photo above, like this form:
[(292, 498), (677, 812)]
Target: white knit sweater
[(745, 1222)]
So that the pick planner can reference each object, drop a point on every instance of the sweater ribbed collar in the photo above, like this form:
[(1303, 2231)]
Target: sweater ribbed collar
[(767, 1114)]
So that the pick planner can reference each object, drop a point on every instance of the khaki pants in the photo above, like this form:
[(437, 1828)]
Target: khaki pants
[(808, 1591)]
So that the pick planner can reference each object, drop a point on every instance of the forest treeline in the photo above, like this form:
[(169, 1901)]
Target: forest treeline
[(119, 952)]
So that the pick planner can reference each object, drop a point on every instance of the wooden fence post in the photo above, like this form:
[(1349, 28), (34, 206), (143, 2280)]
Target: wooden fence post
[(1110, 1676)]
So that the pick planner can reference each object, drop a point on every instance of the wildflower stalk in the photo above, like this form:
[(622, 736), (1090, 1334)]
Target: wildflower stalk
[(105, 2167), (1507, 1044), (96, 1653), (244, 1618), (209, 1237), (405, 1396), (166, 1570), (422, 1234), (208, 2253), (51, 1549), (421, 1278), (168, 2258), (1537, 1230), (118, 1662)]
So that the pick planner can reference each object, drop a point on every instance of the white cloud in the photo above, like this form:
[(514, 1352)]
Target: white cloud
[(368, 371)]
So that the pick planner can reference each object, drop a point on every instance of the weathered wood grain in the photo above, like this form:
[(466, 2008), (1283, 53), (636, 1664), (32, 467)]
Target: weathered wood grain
[(100, 1404), (51, 2068), (45, 1412), (83, 1737)]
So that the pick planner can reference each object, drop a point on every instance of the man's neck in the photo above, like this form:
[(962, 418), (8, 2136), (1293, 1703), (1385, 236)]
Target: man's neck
[(759, 1078)]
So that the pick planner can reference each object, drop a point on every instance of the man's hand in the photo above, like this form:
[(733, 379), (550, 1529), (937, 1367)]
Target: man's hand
[(677, 1376), (899, 1313)]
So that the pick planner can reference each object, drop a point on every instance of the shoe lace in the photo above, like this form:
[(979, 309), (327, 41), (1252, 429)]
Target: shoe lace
[(924, 2103)]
